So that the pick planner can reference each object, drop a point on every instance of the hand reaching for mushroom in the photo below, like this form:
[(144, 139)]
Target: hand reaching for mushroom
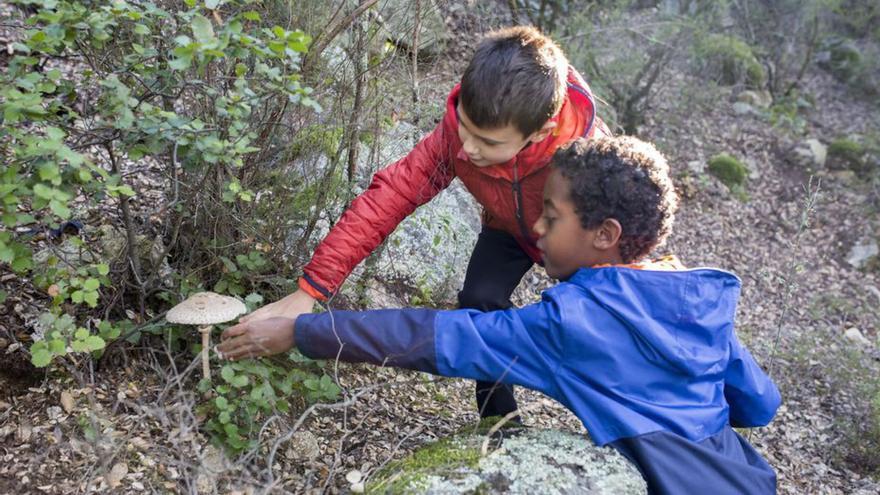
[(257, 338), (295, 304)]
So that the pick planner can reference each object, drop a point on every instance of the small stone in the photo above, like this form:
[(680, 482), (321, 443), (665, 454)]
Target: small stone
[(697, 166), (811, 154), (117, 472), (303, 447), (357, 487), (353, 477), (760, 99), (862, 252), (741, 108), (872, 289), (855, 336), (67, 401)]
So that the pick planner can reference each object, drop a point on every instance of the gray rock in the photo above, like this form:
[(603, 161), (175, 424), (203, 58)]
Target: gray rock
[(862, 252), (697, 166), (758, 99), (810, 154), (523, 462), (741, 108), (855, 336), (303, 447)]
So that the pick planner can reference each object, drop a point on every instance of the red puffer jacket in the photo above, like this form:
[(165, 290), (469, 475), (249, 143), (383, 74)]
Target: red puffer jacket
[(511, 193)]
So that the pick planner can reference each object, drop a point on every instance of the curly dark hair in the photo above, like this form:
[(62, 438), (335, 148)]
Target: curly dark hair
[(622, 178)]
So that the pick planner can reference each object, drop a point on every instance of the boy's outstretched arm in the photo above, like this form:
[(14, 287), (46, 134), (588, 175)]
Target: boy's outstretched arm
[(751, 394), (394, 193), (512, 346)]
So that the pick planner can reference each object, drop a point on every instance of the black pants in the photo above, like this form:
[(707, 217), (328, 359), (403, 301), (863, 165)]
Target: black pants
[(495, 269)]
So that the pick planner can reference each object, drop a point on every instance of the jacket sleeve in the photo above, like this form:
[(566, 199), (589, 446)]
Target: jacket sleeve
[(394, 193), (511, 346), (751, 394)]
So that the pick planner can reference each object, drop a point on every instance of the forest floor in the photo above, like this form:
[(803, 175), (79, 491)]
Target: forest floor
[(799, 298)]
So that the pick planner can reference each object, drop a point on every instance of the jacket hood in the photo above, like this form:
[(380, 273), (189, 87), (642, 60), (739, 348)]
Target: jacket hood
[(682, 319)]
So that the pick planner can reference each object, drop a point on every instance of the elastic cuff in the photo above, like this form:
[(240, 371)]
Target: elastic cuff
[(311, 290)]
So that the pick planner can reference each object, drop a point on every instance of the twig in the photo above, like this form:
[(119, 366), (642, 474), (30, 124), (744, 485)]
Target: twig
[(323, 41), (497, 426)]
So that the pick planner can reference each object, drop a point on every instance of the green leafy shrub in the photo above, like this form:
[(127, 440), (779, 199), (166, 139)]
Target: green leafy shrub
[(842, 58), (170, 85), (729, 60), (730, 171), (251, 391)]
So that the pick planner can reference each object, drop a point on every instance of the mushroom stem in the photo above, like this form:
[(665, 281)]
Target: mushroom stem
[(206, 344)]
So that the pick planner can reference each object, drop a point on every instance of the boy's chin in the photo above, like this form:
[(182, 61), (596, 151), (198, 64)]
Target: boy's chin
[(561, 275)]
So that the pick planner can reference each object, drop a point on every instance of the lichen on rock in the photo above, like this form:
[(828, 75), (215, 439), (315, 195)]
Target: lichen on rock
[(523, 461)]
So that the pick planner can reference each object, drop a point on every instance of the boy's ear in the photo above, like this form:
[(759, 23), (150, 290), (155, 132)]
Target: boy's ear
[(608, 234), (543, 132)]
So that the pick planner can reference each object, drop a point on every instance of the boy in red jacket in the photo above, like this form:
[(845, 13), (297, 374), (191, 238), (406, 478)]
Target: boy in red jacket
[(517, 103)]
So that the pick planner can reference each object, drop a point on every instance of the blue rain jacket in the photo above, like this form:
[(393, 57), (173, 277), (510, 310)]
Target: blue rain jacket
[(647, 360)]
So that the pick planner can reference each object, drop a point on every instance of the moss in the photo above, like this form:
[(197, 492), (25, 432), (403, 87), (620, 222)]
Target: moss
[(847, 154), (447, 455), (728, 170), (730, 59), (316, 138)]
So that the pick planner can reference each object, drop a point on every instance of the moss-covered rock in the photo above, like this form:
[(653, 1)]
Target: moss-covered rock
[(846, 154), (728, 170), (728, 59), (519, 461)]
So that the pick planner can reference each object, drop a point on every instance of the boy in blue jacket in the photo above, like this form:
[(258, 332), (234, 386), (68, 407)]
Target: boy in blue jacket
[(644, 354)]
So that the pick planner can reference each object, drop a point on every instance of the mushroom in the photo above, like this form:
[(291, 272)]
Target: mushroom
[(206, 309)]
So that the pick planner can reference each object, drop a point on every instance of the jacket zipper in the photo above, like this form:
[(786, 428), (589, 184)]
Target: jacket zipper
[(517, 201)]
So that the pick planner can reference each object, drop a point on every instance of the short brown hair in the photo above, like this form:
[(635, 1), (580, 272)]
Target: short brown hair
[(626, 179), (516, 76)]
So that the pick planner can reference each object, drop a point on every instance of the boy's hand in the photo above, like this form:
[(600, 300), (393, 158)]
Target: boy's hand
[(295, 304), (257, 338)]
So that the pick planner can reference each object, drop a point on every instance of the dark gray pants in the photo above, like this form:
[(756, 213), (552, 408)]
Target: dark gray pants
[(496, 266)]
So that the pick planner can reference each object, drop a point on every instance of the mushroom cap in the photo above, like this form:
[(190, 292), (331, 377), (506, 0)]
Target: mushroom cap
[(206, 308)]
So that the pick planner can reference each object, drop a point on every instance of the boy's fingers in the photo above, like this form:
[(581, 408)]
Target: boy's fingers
[(242, 352), (234, 331)]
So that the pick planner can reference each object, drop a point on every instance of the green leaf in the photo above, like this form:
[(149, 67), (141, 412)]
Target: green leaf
[(251, 15), (91, 284), (57, 347), (80, 334), (180, 63), (94, 343), (125, 191), (202, 29), (102, 268), (239, 381), (43, 191), (91, 298), (227, 373), (221, 402), (77, 296), (7, 254), (141, 29), (41, 358), (59, 208), (79, 346)]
